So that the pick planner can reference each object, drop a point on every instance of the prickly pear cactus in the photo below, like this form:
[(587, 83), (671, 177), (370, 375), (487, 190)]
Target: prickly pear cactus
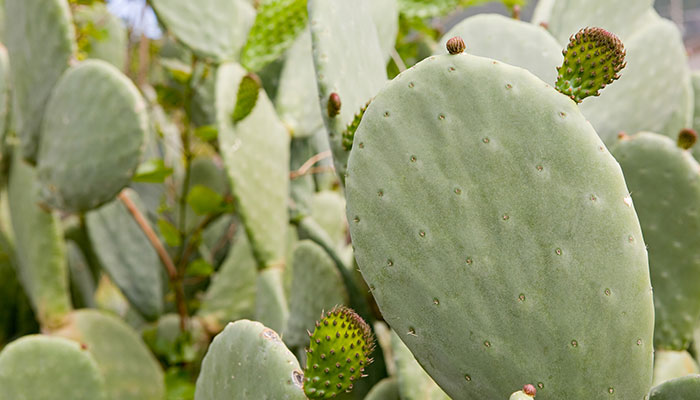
[(695, 78), (414, 383), (93, 133), (685, 388), (514, 42), (248, 360), (271, 305), (39, 367), (339, 352), (502, 227), (101, 34), (386, 389), (40, 41), (385, 14), (669, 364), (664, 180), (5, 98)]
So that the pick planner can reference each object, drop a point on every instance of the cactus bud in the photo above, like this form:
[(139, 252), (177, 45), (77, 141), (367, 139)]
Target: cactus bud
[(687, 139), (530, 390), (338, 354), (455, 45), (333, 105), (592, 60), (516, 12)]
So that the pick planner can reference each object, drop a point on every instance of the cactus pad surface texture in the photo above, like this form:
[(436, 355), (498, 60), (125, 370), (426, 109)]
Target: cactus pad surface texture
[(249, 361), (685, 388), (497, 234)]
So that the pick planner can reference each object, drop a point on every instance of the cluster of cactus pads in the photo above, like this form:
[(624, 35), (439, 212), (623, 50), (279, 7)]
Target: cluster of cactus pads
[(266, 203)]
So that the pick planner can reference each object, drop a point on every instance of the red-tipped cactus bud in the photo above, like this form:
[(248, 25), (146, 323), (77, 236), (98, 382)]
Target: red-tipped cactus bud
[(687, 139), (333, 105), (530, 390), (455, 45), (516, 12), (592, 60)]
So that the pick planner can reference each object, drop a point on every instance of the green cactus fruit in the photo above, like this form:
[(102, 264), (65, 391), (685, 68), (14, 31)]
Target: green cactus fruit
[(563, 17), (246, 97), (342, 32), (669, 364), (212, 28), (510, 41), (297, 95), (39, 247), (338, 353), (249, 361), (257, 165), (136, 271), (231, 293), (316, 286), (5, 98), (386, 389), (101, 34), (94, 132), (685, 388), (414, 383), (277, 24), (687, 139), (130, 371), (39, 367), (385, 14), (476, 236), (667, 200), (593, 59), (271, 306), (40, 42)]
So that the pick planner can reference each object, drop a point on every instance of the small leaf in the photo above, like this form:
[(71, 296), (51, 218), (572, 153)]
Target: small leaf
[(207, 133), (169, 232), (204, 201), (199, 267), (246, 98), (152, 171)]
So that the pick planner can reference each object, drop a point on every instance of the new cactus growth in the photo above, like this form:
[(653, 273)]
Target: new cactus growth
[(246, 97), (349, 132), (339, 352), (456, 45), (592, 60)]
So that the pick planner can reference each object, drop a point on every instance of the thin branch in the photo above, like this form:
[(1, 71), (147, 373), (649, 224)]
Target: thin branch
[(397, 60), (303, 170)]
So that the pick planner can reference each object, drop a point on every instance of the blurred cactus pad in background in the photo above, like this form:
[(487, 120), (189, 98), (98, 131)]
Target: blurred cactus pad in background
[(349, 199)]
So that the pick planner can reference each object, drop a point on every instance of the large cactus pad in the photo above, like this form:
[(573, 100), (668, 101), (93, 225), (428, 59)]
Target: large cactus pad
[(487, 217)]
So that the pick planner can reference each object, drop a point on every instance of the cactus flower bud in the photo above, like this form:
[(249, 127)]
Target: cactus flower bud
[(333, 105), (687, 139), (455, 45)]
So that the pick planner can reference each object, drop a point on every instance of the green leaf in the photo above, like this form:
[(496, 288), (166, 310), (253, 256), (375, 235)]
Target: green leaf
[(152, 171), (207, 133), (276, 26), (169, 232), (199, 267), (204, 201), (247, 97)]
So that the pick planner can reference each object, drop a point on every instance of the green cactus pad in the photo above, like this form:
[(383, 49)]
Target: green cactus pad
[(249, 361), (256, 155), (669, 364), (385, 14), (695, 79), (386, 389), (93, 133), (426, 8), (685, 388), (297, 94), (514, 42), (39, 367), (316, 286), (480, 201), (231, 293), (104, 36), (40, 42), (39, 247), (277, 24), (343, 32), (593, 59), (338, 353), (5, 98), (213, 28), (328, 210), (127, 256), (271, 306), (665, 184), (414, 383), (246, 97), (130, 371)]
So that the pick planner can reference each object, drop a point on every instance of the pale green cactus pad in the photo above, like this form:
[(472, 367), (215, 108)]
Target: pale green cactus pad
[(39, 247), (5, 99), (665, 184), (93, 133), (249, 361), (413, 382), (316, 287), (137, 272), (385, 14), (343, 32), (480, 201), (40, 40), (271, 305), (130, 371), (695, 79), (685, 388), (669, 364), (386, 389), (39, 367), (107, 37), (256, 154), (328, 210), (212, 28), (514, 42)]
